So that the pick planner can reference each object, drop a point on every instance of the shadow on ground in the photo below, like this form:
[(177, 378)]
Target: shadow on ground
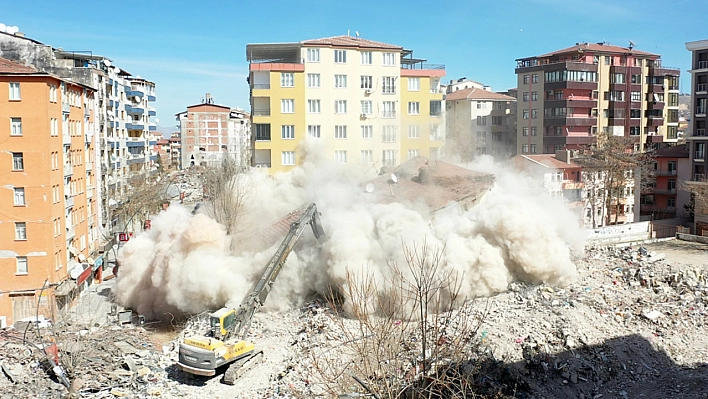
[(625, 367)]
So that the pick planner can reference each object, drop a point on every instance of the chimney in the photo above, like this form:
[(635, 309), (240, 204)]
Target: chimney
[(564, 155)]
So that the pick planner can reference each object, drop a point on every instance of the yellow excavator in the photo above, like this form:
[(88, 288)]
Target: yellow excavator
[(225, 342)]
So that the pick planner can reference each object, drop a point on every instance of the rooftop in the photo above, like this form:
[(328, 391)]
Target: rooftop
[(603, 48), (677, 151), (474, 93), (350, 41), (548, 161), (11, 67)]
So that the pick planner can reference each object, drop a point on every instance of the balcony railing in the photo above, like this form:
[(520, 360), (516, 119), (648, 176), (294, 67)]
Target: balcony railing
[(261, 86), (89, 166), (700, 110), (699, 155), (261, 112), (389, 114), (701, 177), (66, 139), (423, 66), (262, 165), (65, 108), (69, 202), (700, 132), (664, 173), (68, 170), (663, 190), (70, 233), (702, 64)]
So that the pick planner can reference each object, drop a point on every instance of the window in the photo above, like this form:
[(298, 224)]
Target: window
[(413, 108), (534, 114), (526, 79), (15, 127), (389, 59), (435, 107), (533, 148), (54, 127), (534, 96), (314, 131), (534, 78), (52, 93), (636, 79), (524, 97), (497, 120), (313, 80), (524, 115), (607, 59), (534, 131), (389, 109), (287, 158), (340, 132), (313, 106), (636, 96), (287, 132), (340, 156), (22, 265), (481, 121), (20, 231), (18, 162), (340, 56), (435, 133), (524, 131), (413, 132), (482, 137), (366, 58), (635, 113), (340, 107), (367, 132), (412, 154), (287, 79), (14, 91), (340, 81), (287, 106), (617, 78), (367, 107), (366, 82), (524, 148), (262, 131), (19, 196), (389, 157), (389, 134), (388, 85), (313, 55), (367, 156), (413, 84)]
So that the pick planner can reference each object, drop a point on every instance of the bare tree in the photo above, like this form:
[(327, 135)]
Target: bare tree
[(226, 190), (611, 166), (412, 338), (144, 197)]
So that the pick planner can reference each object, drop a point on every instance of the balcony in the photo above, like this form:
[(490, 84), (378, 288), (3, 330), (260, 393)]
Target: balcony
[(700, 177), (701, 87), (653, 121), (568, 121), (152, 127), (570, 102), (700, 133), (69, 202), (134, 109), (655, 138), (68, 170), (89, 192), (89, 166), (151, 97), (261, 86), (135, 126), (91, 220), (664, 173), (65, 139), (702, 65), (662, 191), (700, 111), (699, 156), (134, 93), (87, 111), (70, 233), (65, 108), (388, 114), (261, 112), (152, 112)]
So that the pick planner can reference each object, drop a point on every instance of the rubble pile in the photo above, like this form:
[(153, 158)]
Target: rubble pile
[(631, 325)]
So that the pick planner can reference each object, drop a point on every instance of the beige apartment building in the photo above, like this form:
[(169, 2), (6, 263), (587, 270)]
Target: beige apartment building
[(370, 103)]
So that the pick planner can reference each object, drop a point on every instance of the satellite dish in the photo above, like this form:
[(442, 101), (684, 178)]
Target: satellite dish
[(117, 70), (370, 188), (3, 27), (106, 62), (394, 178)]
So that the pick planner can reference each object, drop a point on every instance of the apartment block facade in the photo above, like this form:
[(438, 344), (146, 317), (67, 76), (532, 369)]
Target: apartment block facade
[(208, 131), (479, 121), (664, 198), (123, 115), (48, 227), (571, 96), (698, 139), (370, 103)]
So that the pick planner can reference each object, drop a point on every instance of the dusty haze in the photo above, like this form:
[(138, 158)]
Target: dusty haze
[(185, 263)]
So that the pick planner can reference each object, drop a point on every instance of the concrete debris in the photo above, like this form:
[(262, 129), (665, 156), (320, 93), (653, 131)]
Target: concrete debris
[(631, 325)]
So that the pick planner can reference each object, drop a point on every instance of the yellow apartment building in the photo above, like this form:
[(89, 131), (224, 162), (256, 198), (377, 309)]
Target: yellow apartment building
[(372, 104), (47, 224)]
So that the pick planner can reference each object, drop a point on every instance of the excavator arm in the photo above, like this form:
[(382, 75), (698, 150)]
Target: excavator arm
[(260, 292)]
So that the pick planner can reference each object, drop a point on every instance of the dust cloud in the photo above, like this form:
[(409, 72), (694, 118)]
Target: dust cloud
[(186, 263)]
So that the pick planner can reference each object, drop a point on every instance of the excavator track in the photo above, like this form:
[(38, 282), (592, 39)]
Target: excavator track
[(240, 366)]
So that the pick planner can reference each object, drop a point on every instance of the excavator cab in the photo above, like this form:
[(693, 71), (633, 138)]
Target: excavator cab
[(221, 322)]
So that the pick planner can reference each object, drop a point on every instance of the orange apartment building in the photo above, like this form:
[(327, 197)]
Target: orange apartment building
[(47, 223)]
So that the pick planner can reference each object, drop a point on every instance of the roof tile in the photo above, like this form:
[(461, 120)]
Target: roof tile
[(349, 41), (7, 66), (474, 93)]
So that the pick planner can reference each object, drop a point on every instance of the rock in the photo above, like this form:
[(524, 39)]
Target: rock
[(574, 378), (154, 392), (125, 347), (130, 363), (143, 371), (654, 315), (118, 392)]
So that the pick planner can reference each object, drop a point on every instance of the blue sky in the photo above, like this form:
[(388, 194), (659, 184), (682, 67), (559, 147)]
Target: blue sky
[(190, 48)]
